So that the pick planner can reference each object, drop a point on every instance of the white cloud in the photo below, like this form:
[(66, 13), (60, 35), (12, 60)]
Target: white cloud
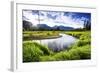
[(59, 20), (32, 18)]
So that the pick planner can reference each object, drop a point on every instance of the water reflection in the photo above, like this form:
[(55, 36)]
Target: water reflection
[(58, 44)]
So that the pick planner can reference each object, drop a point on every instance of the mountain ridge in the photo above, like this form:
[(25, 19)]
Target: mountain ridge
[(46, 27)]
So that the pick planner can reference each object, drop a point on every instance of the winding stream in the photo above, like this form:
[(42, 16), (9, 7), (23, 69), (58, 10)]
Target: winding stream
[(58, 44)]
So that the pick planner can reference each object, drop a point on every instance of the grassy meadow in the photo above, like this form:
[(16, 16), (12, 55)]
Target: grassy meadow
[(35, 52), (32, 35)]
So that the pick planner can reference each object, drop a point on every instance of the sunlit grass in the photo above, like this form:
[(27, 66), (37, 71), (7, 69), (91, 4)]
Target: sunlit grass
[(30, 35), (32, 51), (35, 52)]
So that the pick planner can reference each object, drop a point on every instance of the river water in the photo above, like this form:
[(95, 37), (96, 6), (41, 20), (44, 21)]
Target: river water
[(58, 44)]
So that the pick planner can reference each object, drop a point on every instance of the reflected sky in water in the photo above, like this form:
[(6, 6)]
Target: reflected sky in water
[(58, 44)]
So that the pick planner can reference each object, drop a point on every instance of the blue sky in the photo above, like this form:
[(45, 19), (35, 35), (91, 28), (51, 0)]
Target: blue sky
[(52, 18)]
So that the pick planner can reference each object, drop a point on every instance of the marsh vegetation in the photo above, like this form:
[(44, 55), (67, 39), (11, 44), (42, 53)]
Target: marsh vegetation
[(35, 52)]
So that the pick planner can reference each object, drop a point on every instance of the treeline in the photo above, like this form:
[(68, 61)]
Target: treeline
[(87, 25)]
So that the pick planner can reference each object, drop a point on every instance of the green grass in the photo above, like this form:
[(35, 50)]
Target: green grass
[(35, 52), (30, 35), (32, 51), (78, 53)]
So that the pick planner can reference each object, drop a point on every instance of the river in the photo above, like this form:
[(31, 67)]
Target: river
[(58, 44)]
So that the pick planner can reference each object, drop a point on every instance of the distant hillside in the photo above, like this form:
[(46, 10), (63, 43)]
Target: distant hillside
[(62, 28), (43, 27), (29, 26)]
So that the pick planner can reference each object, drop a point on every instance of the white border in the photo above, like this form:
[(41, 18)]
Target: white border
[(17, 38)]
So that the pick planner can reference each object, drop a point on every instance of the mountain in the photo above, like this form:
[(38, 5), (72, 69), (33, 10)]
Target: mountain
[(27, 25), (43, 27), (62, 27), (46, 27)]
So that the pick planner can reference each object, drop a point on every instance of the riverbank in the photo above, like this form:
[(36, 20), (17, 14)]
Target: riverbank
[(38, 35)]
